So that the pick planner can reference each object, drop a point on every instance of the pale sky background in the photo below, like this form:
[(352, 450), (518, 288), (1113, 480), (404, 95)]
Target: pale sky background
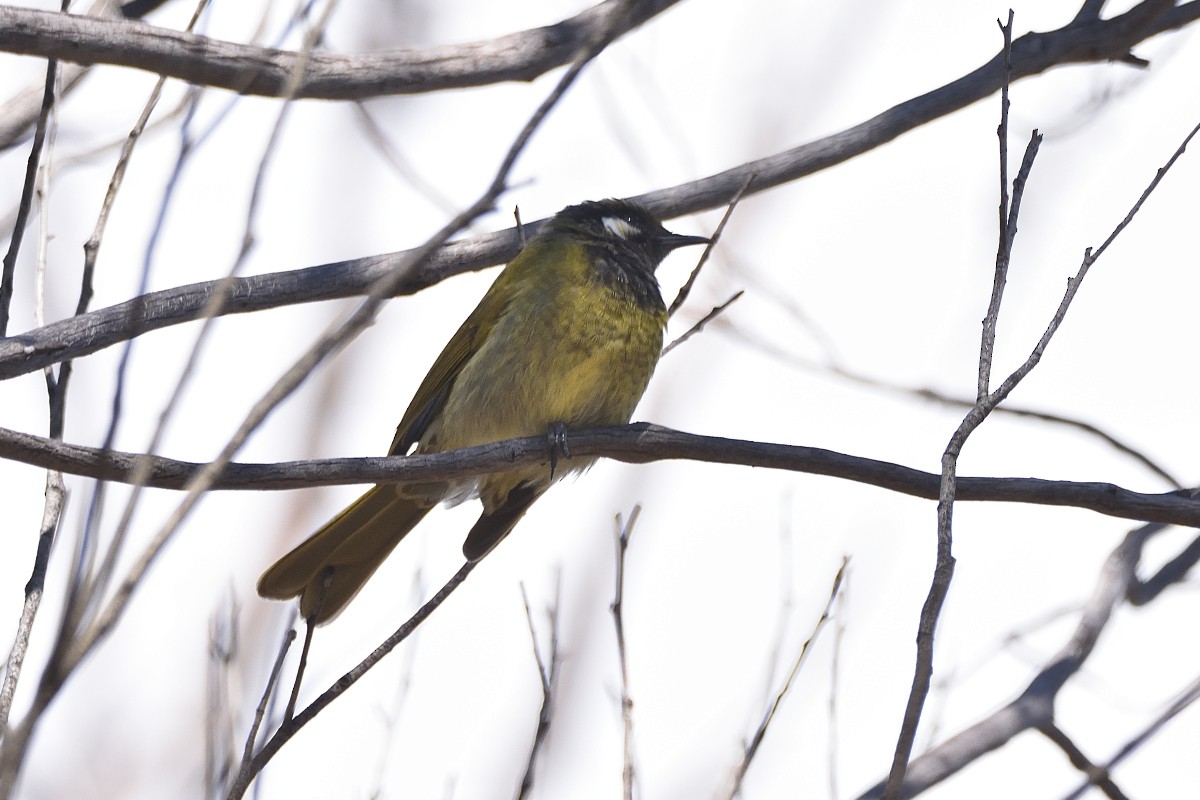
[(886, 259)]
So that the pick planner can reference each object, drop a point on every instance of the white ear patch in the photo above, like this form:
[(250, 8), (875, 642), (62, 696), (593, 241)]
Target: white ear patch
[(618, 227)]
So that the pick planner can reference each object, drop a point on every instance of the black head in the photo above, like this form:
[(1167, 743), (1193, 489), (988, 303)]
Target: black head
[(622, 229)]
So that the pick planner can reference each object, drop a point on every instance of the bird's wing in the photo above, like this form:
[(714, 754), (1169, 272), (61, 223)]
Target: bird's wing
[(430, 398), (525, 273)]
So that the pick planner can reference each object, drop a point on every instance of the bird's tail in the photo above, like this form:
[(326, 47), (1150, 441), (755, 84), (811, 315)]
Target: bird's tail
[(327, 569)]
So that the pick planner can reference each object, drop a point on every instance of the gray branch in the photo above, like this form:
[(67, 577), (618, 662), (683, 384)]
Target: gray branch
[(1077, 42), (247, 69), (1034, 708), (640, 443)]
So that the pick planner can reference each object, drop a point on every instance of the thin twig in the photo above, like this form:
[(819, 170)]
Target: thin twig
[(91, 583), (8, 270), (1007, 231), (520, 229), (829, 365), (1181, 704), (401, 164), (624, 531), (260, 711), (1096, 776), (223, 649), (756, 740), (290, 727), (56, 494), (310, 629), (56, 499), (835, 670), (707, 318), (1169, 574), (547, 666), (686, 289)]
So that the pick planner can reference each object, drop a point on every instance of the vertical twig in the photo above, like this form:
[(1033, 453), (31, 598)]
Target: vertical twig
[(223, 647), (251, 767), (548, 674), (1004, 247), (260, 711), (56, 498), (9, 268), (944, 568), (624, 531), (56, 493), (835, 664)]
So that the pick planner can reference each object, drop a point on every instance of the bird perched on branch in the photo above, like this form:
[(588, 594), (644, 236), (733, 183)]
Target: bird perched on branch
[(566, 337)]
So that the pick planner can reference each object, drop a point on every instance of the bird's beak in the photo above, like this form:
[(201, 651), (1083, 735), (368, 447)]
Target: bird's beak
[(672, 241)]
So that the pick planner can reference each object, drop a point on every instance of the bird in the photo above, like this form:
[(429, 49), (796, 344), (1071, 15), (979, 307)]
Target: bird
[(567, 337)]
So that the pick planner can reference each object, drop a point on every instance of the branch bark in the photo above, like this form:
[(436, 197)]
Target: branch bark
[(247, 69), (1078, 42), (639, 443), (1034, 708)]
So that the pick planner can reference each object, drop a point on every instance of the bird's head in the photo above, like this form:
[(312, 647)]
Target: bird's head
[(622, 229)]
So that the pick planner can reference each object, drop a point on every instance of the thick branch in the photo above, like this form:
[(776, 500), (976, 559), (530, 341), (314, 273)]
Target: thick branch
[(639, 443), (1080, 41), (265, 71)]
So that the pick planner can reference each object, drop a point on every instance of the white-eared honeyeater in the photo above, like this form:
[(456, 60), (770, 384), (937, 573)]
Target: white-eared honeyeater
[(566, 337)]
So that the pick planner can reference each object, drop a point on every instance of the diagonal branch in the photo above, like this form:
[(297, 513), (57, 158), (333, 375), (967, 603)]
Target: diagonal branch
[(1078, 42), (1034, 708)]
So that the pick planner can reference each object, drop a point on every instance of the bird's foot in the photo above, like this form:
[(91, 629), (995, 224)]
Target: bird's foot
[(557, 437)]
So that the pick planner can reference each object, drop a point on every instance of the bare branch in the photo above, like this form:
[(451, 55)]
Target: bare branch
[(291, 726), (943, 572), (945, 561), (1033, 53), (1034, 708), (1187, 698), (638, 443), (265, 71)]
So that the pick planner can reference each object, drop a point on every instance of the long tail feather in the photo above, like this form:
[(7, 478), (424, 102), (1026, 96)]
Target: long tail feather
[(328, 569)]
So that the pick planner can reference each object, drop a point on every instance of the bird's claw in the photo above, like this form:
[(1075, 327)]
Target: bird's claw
[(557, 437)]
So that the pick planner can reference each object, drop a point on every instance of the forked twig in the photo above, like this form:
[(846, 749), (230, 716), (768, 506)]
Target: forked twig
[(945, 563)]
